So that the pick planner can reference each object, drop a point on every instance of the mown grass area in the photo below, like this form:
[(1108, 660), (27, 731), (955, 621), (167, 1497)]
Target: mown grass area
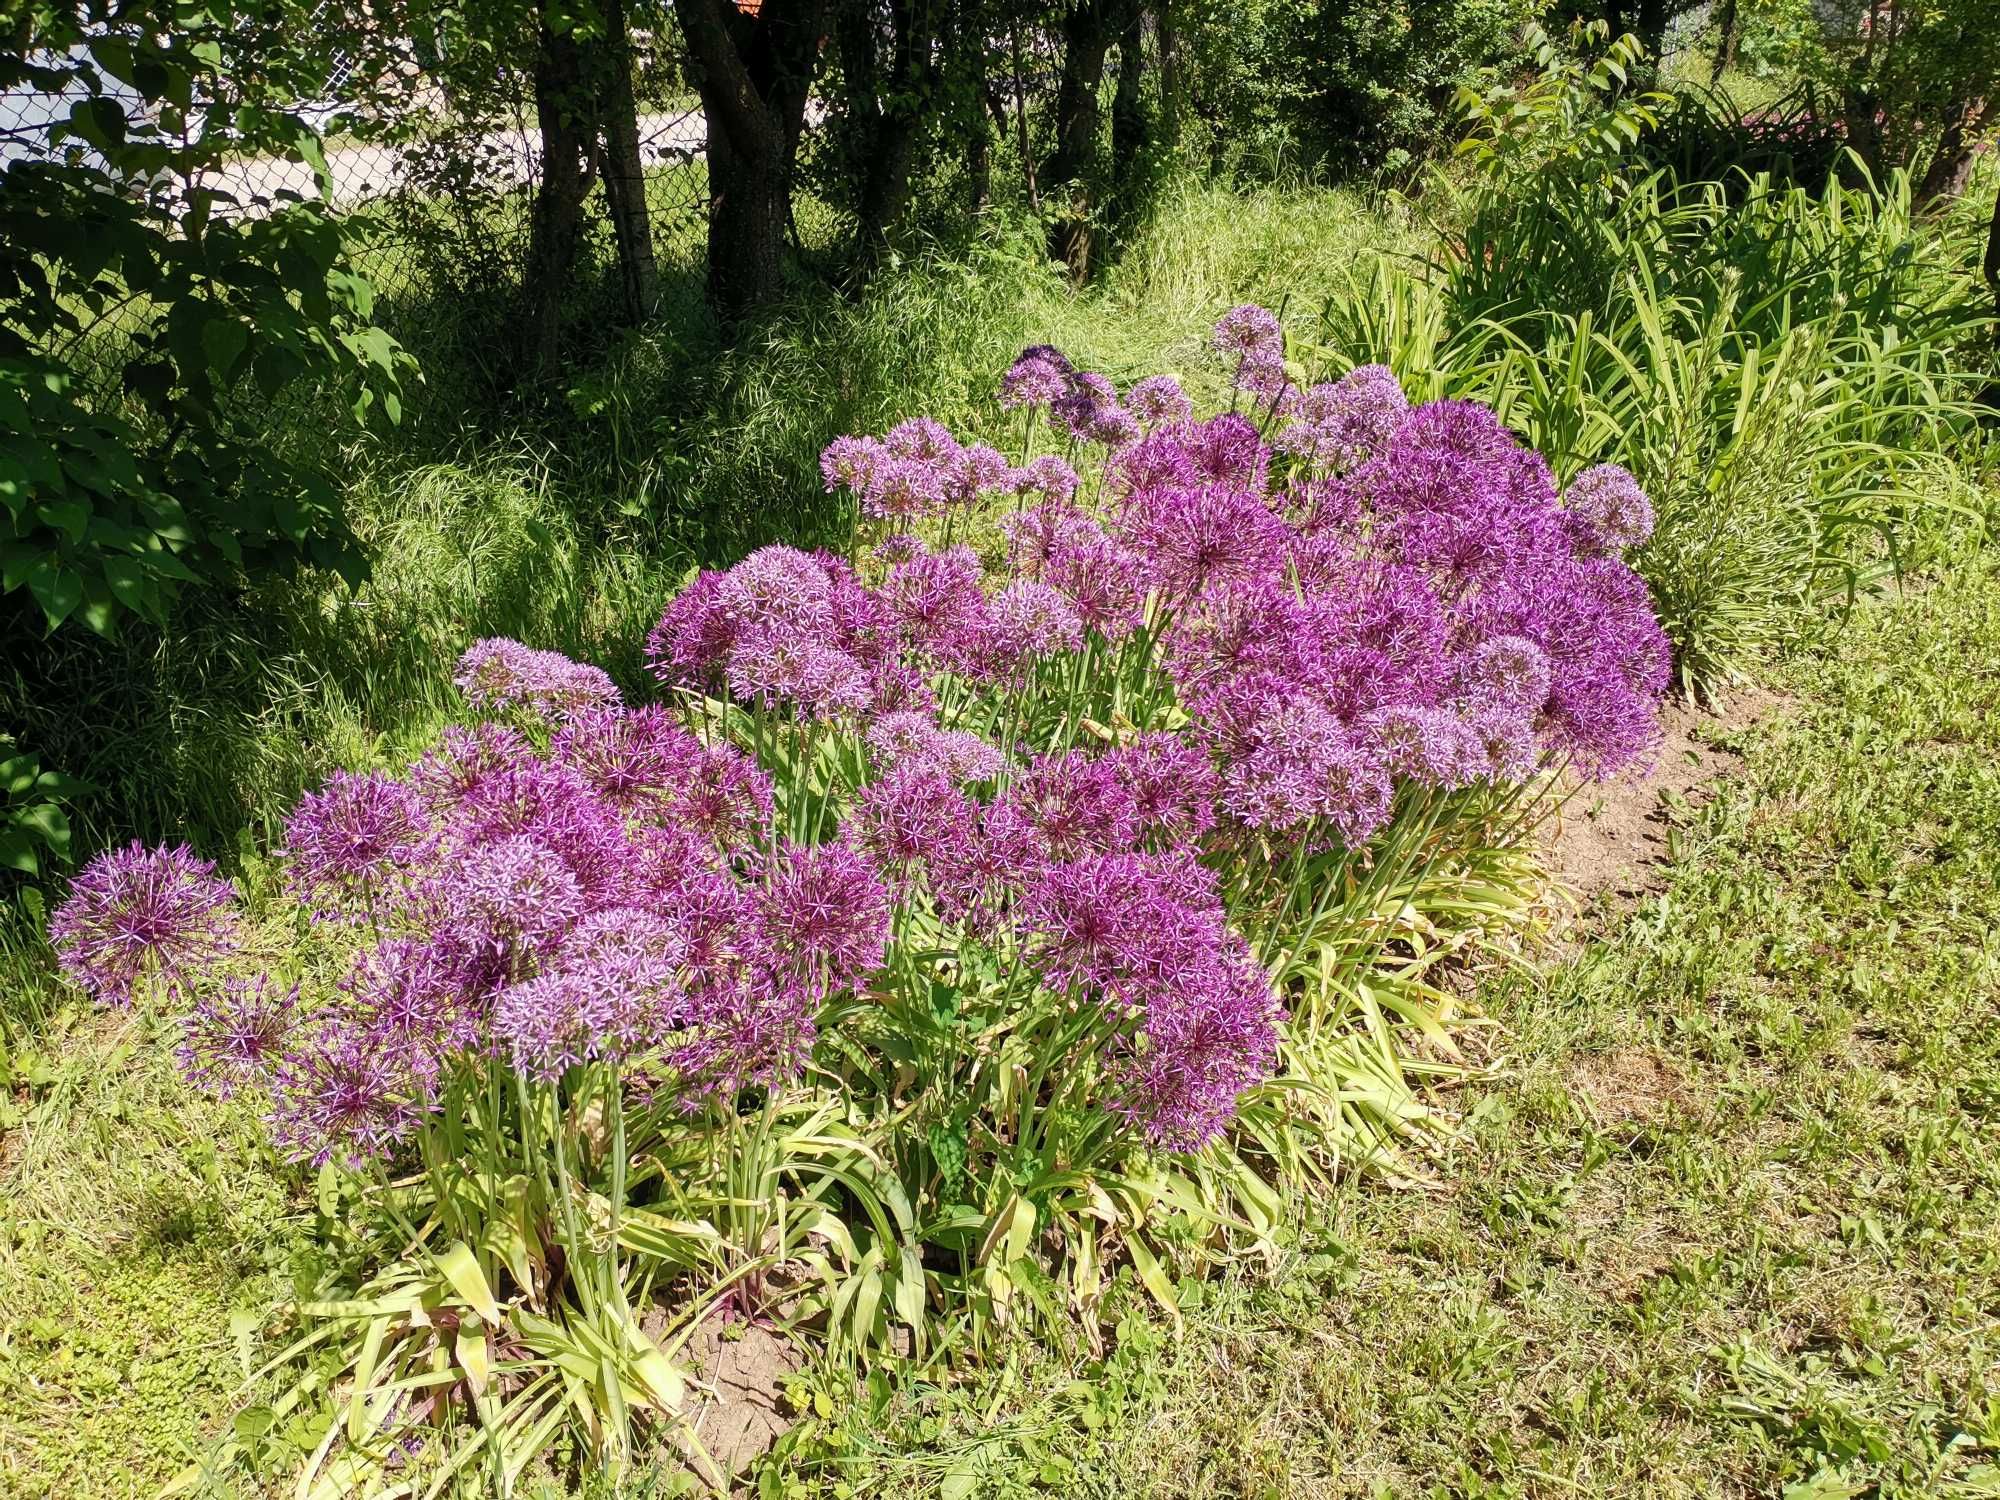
[(1728, 1224)]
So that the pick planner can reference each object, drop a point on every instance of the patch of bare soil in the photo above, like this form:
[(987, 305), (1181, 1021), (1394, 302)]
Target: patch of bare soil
[(1632, 1086), (736, 1412), (1613, 837)]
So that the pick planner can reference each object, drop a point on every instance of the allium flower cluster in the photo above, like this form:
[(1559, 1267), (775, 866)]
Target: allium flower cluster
[(499, 673), (136, 915)]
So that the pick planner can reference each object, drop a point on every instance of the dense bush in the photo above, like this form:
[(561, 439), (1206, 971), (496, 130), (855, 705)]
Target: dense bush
[(938, 945), (1341, 90)]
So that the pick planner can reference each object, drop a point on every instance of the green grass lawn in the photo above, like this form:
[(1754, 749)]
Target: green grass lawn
[(1728, 1223)]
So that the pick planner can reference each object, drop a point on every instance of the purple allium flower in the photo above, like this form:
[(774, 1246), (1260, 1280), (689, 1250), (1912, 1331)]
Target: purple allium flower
[(694, 637), (1508, 670), (912, 815), (1030, 621), (940, 604), (1607, 511), (1159, 398), (1173, 786), (1247, 331), (1264, 376), (355, 830), (1508, 737), (726, 797), (1036, 535), (975, 472), (1104, 582), (500, 673), (341, 1096), (232, 1040), (1089, 398), (137, 913), (1279, 778), (1432, 746), (898, 548), (821, 681), (906, 738), (922, 438), (849, 463), (1075, 805), (511, 897), (615, 991), (630, 756), (416, 998), (1048, 476), (1338, 425), (1104, 921), (1208, 534), (906, 489), (826, 912), (1038, 378), (1209, 1034), (1227, 450)]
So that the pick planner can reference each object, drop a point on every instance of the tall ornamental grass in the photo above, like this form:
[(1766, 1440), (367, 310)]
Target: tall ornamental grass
[(946, 940)]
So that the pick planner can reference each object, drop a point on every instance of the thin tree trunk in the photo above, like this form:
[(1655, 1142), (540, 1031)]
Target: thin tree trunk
[(568, 162), (1021, 124), (1131, 141), (1087, 37), (1729, 35), (625, 173), (1950, 166), (753, 74), (1170, 74)]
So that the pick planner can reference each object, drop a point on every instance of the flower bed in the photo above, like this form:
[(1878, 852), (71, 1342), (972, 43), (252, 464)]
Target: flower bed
[(942, 942)]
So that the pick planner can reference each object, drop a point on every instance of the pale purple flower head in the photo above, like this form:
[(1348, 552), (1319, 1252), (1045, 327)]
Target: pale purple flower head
[(910, 817), (1432, 746), (1338, 425), (849, 463), (355, 832), (695, 635), (1159, 398), (341, 1095), (1247, 332), (826, 913), (502, 673), (1607, 512), (1048, 476), (1031, 621), (135, 914), (233, 1037), (1209, 1034), (1039, 377)]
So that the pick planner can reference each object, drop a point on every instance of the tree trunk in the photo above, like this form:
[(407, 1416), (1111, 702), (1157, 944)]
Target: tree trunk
[(569, 138), (1021, 125), (1087, 37), (753, 74), (625, 173), (1170, 74), (1653, 26), (888, 155), (1950, 166), (1730, 33), (1131, 137)]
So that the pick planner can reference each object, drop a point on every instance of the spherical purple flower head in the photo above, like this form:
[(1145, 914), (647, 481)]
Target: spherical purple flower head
[(1103, 921), (1508, 671), (1508, 736), (726, 798), (1082, 407), (341, 1096), (615, 991), (942, 609), (1608, 514), (1206, 536), (553, 805), (911, 739), (1462, 516), (820, 681), (776, 588), (356, 834), (922, 438), (905, 489), (1105, 584), (744, 1030), (1254, 628), (1077, 806), (1031, 622), (1039, 377), (1464, 428), (1269, 384), (1377, 635), (1207, 1037), (975, 472), (1359, 794), (1338, 425), (500, 673), (631, 757), (1324, 510), (1160, 460), (714, 919), (1173, 786), (1433, 747), (1248, 331), (825, 912), (1227, 450), (1114, 427), (1278, 780), (694, 637), (1037, 534), (1048, 476), (418, 998), (1159, 398), (849, 463), (909, 817), (509, 900), (233, 1039), (137, 913), (465, 763), (899, 547)]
